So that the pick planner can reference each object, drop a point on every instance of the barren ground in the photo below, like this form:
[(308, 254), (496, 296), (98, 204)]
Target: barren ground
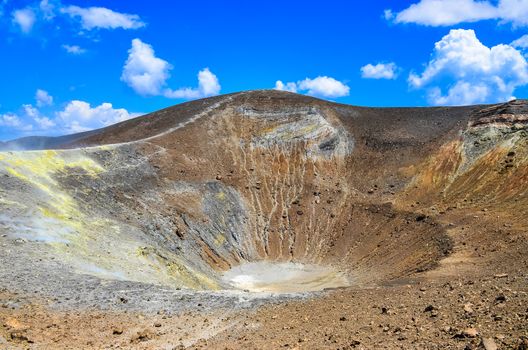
[(122, 238)]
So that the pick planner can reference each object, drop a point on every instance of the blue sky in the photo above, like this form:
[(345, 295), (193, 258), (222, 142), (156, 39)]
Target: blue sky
[(71, 65)]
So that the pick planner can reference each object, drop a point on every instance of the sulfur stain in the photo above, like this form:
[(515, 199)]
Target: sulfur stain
[(219, 239), (172, 266)]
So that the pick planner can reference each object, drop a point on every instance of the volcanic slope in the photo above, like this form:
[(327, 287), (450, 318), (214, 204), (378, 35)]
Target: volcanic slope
[(207, 202)]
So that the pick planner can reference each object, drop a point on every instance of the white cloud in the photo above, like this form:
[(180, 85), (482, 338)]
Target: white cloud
[(43, 123), (43, 98), (324, 86), (22, 121), (30, 111), (380, 71), (79, 116), (103, 18), (47, 9), (25, 19), (321, 86), (478, 74), (208, 85), (522, 42), (76, 116), (73, 49), (514, 11), (451, 12), (145, 73), (291, 87), (10, 120)]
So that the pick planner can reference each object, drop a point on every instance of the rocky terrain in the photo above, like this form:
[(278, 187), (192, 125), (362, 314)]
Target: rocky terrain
[(267, 220)]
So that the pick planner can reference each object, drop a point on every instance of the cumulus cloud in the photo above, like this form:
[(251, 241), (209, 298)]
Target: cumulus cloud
[(90, 18), (10, 120), (73, 49), (208, 85), (80, 116), (30, 111), (103, 18), (291, 87), (28, 118), (147, 75), (451, 12), (43, 98), (478, 74), (380, 71), (321, 86), (24, 19), (75, 116), (522, 42), (42, 122)]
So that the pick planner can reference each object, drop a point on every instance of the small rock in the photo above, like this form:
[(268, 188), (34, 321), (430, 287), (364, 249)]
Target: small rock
[(500, 298), (468, 308), (142, 336), (470, 332), (354, 343), (219, 177), (489, 344), (299, 212), (429, 308), (20, 241), (501, 275), (421, 217), (497, 318), (157, 324), (18, 336), (117, 331)]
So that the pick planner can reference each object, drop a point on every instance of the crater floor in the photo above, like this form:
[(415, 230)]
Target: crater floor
[(284, 277)]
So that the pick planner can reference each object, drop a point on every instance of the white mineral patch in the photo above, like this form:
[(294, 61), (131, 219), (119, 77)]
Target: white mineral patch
[(284, 277)]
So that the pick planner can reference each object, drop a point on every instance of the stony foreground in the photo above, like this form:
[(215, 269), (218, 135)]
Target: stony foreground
[(487, 313)]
